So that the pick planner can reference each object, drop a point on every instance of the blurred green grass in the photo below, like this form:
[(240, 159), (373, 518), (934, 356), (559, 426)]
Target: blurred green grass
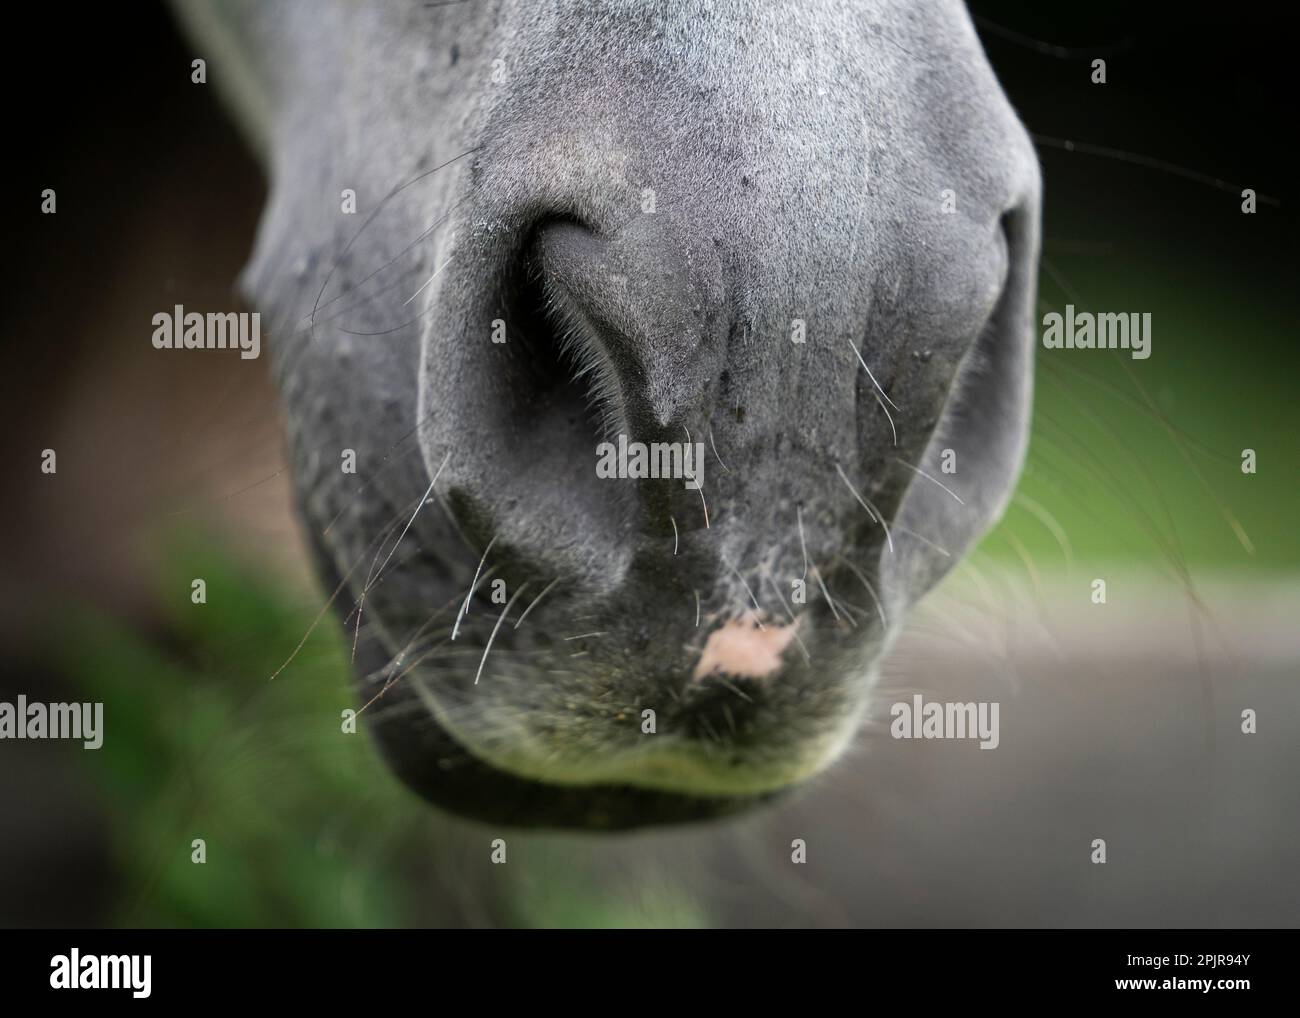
[(206, 747), (302, 823), (1140, 461)]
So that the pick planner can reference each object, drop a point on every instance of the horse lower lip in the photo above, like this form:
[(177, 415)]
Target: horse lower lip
[(442, 770), (469, 787)]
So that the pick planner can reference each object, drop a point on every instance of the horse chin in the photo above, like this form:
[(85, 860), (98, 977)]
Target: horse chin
[(437, 766)]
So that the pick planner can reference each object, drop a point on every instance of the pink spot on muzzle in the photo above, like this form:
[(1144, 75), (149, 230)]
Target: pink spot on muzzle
[(741, 648)]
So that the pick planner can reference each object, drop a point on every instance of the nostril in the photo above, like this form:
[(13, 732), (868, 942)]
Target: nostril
[(638, 309), (557, 379), (596, 342), (569, 270)]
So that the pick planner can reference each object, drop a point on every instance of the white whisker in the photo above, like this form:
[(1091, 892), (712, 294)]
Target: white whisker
[(715, 453), (870, 589), (883, 523), (830, 601), (500, 619), (757, 606), (535, 600), (436, 273), (873, 379), (464, 608), (423, 499), (924, 540), (861, 500), (889, 417), (918, 470), (794, 625)]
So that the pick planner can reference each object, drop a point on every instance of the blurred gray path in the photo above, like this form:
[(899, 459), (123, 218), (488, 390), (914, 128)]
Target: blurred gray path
[(1112, 727)]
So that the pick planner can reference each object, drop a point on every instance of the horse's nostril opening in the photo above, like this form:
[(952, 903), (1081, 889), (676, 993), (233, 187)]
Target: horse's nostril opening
[(564, 377), (555, 388), (533, 483)]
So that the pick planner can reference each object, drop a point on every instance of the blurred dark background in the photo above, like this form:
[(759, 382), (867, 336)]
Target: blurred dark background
[(168, 466)]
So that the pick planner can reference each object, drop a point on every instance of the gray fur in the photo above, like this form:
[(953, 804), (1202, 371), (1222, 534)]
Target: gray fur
[(797, 152)]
